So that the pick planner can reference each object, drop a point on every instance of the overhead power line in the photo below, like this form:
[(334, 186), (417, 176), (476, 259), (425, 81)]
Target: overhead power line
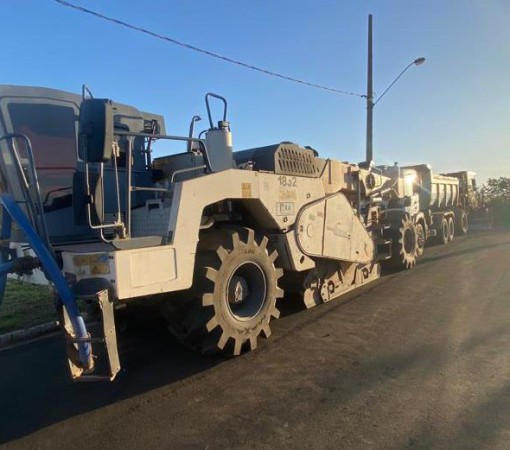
[(201, 50)]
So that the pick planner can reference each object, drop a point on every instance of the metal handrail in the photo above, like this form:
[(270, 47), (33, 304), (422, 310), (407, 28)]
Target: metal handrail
[(129, 180), (187, 169), (32, 189)]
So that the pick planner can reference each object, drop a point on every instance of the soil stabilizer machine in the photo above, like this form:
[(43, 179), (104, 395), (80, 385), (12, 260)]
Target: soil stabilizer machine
[(213, 236)]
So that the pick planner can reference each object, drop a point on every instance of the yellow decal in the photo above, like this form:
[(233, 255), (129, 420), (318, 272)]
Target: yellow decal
[(96, 264), (246, 190), (99, 269), (86, 260), (285, 194)]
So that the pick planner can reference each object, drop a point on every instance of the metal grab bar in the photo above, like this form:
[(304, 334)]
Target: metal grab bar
[(129, 168), (219, 97)]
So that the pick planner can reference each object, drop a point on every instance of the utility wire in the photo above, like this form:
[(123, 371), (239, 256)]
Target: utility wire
[(200, 50)]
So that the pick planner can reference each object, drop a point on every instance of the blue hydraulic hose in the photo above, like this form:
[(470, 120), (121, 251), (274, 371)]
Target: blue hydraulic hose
[(52, 272)]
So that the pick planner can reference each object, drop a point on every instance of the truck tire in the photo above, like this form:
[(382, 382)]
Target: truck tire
[(461, 224), (420, 235), (444, 231), (235, 292), (451, 229)]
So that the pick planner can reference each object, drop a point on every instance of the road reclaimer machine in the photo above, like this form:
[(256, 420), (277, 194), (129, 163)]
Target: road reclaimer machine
[(212, 235)]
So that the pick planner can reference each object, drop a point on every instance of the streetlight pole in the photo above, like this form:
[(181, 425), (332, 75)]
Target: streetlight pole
[(370, 97), (370, 93)]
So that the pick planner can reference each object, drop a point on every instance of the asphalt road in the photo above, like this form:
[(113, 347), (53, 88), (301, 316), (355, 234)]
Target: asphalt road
[(418, 359)]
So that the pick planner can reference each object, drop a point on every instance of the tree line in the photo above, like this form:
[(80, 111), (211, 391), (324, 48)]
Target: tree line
[(496, 194)]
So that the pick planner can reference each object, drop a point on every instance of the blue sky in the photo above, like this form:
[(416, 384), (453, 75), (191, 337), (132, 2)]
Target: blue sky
[(452, 112)]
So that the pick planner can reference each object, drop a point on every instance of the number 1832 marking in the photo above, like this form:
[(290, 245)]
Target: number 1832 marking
[(287, 181)]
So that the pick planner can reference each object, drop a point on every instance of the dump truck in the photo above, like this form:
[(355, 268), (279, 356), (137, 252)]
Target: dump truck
[(441, 204), (213, 236), (478, 212), (431, 200)]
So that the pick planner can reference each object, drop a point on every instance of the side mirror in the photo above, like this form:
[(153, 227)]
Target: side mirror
[(95, 130)]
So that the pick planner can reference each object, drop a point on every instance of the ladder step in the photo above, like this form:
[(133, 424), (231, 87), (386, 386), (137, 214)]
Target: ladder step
[(85, 378), (88, 340)]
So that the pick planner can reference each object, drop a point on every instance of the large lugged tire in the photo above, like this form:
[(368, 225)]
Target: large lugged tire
[(235, 292), (405, 245)]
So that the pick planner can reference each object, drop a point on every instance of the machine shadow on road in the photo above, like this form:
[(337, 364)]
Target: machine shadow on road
[(36, 391)]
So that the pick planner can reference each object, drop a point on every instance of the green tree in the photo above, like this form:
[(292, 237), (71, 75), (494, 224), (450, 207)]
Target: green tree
[(497, 191)]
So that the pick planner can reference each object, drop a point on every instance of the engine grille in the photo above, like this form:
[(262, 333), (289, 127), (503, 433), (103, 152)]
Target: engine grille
[(295, 161)]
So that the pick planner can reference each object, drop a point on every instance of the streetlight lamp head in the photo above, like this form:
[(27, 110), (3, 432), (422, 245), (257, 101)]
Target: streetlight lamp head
[(419, 61)]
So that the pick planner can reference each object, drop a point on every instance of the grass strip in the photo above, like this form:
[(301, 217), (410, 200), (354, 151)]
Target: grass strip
[(25, 305)]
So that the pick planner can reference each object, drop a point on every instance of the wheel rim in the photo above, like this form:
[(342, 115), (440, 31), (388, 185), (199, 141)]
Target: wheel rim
[(246, 291)]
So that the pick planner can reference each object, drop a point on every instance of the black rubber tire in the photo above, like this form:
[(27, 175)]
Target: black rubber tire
[(420, 235), (230, 263), (443, 232), (451, 229), (461, 222)]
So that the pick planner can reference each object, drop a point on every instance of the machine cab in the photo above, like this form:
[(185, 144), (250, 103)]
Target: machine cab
[(50, 119)]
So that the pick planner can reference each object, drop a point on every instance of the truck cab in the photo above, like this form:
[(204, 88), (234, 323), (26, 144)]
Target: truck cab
[(404, 183)]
